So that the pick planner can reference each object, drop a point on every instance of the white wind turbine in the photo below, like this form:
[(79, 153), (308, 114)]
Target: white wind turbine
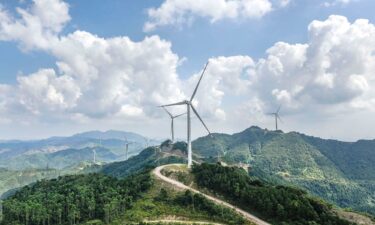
[(276, 115), (172, 121), (189, 106), (127, 143), (94, 149)]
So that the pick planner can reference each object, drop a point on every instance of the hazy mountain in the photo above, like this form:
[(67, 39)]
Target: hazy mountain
[(342, 172), (37, 152)]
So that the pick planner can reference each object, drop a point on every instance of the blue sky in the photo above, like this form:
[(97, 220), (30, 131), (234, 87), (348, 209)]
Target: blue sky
[(193, 43), (196, 42)]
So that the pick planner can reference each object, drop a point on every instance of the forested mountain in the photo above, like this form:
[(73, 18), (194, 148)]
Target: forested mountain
[(74, 199), (277, 204), (100, 199), (341, 172)]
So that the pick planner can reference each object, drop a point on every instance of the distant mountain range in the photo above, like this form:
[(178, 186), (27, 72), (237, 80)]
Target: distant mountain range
[(62, 152), (341, 172)]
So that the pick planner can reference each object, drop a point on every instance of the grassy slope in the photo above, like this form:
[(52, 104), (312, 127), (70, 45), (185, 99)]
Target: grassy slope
[(148, 208), (149, 157), (339, 172)]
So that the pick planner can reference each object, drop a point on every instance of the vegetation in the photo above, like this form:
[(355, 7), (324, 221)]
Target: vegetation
[(150, 157), (339, 172), (281, 204), (11, 180), (164, 202), (74, 199)]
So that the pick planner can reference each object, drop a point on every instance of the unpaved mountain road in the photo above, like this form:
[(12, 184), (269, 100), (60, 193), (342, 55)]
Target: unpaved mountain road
[(252, 218), (182, 222)]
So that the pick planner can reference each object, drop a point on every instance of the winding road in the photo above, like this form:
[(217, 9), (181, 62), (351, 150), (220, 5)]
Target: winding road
[(252, 218)]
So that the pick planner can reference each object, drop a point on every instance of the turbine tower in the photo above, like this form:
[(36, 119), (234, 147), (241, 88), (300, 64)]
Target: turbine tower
[(172, 121), (276, 115), (127, 143), (94, 149), (189, 106)]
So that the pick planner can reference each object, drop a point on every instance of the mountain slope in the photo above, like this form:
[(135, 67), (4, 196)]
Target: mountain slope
[(341, 172), (63, 159), (149, 157), (113, 140)]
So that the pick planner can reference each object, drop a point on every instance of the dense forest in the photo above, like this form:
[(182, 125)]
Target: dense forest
[(280, 204), (74, 199)]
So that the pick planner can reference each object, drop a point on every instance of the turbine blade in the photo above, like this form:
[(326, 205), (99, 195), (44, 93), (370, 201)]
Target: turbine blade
[(278, 109), (179, 115), (196, 113), (167, 111), (173, 104), (280, 118), (199, 81)]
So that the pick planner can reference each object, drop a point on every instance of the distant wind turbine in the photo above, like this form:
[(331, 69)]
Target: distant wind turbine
[(172, 121), (190, 106), (276, 115), (127, 143), (94, 149), (147, 142)]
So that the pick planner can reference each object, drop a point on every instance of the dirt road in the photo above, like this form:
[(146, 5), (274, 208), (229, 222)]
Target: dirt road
[(177, 184)]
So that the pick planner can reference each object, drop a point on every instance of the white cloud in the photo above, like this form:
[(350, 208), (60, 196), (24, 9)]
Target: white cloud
[(224, 76), (36, 26), (334, 69), (96, 77), (45, 91), (179, 12), (101, 78), (337, 2)]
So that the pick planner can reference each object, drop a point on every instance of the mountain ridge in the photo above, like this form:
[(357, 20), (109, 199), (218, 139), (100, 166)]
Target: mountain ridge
[(341, 172)]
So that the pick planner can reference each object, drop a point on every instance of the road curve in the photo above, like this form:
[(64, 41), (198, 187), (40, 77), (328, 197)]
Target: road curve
[(252, 218)]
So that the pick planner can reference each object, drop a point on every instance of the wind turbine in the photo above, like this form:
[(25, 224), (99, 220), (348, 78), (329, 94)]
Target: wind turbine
[(172, 121), (189, 107), (94, 149), (276, 115), (147, 142), (127, 143)]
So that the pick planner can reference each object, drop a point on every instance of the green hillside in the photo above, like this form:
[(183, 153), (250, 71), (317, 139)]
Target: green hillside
[(10, 180), (149, 157), (341, 172), (98, 199)]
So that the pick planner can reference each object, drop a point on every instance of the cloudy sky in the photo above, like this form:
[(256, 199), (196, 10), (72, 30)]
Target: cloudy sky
[(69, 66)]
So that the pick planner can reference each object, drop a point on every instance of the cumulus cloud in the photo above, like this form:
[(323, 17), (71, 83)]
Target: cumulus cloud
[(35, 27), (335, 68), (224, 76), (96, 77), (179, 12), (99, 78)]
